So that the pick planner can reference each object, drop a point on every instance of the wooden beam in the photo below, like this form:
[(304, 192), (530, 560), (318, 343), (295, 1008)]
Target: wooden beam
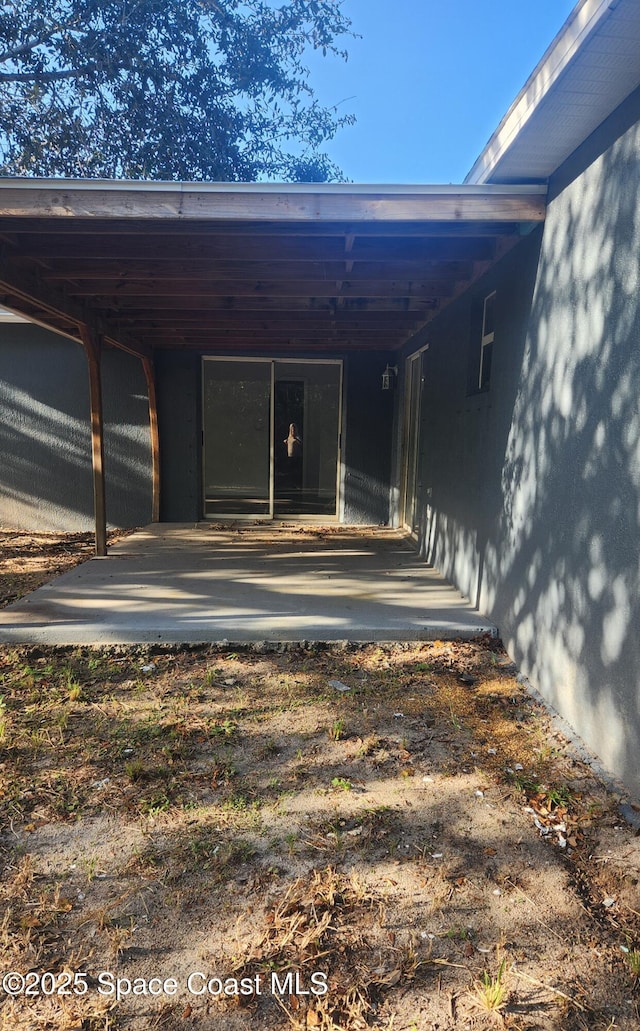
[(96, 271), (51, 247), (11, 228), (149, 372), (133, 308), (253, 321), (93, 348), (351, 204), (24, 292), (121, 295)]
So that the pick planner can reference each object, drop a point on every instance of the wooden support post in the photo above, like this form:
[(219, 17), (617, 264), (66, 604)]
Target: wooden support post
[(93, 346), (149, 372)]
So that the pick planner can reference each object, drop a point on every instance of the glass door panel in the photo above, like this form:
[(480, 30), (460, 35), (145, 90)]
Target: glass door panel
[(306, 437), (237, 451)]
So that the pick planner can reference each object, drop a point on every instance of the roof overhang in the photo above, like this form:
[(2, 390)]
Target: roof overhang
[(249, 267), (591, 66)]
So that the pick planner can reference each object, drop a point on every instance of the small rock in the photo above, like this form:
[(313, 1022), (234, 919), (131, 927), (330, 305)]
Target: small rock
[(492, 751), (398, 715), (338, 685), (518, 766), (149, 668), (479, 794), (608, 902)]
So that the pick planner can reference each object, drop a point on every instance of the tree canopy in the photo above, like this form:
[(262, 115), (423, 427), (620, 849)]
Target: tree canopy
[(166, 89)]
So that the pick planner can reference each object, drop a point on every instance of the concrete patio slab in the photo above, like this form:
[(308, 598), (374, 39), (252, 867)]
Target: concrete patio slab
[(208, 583)]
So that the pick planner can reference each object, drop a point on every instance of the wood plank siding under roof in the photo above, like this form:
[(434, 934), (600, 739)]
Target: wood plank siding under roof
[(249, 267)]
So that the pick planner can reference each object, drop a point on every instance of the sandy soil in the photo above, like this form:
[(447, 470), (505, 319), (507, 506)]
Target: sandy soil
[(399, 826), (29, 560)]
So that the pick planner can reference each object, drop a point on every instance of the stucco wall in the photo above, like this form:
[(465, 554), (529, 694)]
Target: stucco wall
[(45, 442), (535, 504)]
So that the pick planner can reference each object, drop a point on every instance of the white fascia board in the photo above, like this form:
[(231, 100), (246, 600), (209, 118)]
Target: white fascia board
[(579, 26), (338, 189)]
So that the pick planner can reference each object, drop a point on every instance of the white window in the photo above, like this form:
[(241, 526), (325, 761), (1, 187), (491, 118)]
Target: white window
[(486, 344)]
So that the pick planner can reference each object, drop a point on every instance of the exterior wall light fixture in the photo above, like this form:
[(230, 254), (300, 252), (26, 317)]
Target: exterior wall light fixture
[(389, 377)]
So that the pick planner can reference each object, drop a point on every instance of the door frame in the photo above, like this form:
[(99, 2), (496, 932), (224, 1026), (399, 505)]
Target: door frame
[(411, 436), (267, 517)]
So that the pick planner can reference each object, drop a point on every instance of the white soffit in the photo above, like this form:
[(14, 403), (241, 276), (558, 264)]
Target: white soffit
[(587, 71)]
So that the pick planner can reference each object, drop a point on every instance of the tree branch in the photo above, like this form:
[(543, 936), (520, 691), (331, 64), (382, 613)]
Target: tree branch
[(69, 73), (36, 41)]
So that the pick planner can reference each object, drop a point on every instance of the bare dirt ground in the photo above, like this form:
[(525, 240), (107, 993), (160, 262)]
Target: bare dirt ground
[(29, 560), (333, 838)]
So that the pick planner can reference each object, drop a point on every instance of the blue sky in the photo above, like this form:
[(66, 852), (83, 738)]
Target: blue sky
[(429, 82)]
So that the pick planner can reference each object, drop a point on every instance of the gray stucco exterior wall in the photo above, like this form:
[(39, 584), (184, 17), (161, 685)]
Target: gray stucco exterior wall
[(534, 509), (45, 441)]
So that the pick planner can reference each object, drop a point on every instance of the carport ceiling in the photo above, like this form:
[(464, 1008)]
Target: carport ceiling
[(249, 267)]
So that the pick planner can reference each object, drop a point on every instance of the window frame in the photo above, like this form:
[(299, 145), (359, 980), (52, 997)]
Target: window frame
[(486, 342)]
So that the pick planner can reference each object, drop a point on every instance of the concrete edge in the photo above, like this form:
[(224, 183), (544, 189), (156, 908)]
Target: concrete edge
[(367, 635)]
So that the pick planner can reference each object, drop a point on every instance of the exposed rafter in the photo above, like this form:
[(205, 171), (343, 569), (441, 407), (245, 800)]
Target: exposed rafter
[(237, 267)]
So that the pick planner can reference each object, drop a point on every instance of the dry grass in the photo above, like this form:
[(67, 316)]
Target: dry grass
[(424, 844)]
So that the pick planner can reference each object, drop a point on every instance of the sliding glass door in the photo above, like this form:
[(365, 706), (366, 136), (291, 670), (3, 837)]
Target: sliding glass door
[(236, 421), (271, 437)]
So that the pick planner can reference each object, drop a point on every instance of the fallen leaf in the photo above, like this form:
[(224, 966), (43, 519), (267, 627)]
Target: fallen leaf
[(30, 920)]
